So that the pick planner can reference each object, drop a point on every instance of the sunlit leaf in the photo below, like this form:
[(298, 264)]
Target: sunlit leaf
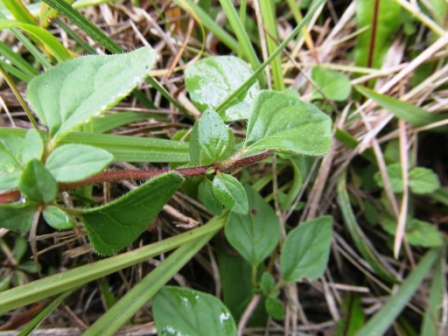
[(57, 218), (333, 84)]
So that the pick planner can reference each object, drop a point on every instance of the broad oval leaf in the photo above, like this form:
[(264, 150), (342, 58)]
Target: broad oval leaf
[(306, 250), (57, 218), (256, 234), (208, 197), (37, 184), (184, 311), (114, 226), (11, 147), (17, 217), (281, 122), (33, 146), (210, 81), (230, 193), (333, 84), (73, 92), (72, 162)]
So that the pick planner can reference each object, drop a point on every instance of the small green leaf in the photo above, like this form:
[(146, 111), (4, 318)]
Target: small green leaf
[(116, 225), (267, 282), (74, 91), (183, 311), (274, 307), (210, 81), (57, 218), (420, 180), (230, 193), (281, 122), (353, 318), (37, 184), (17, 217), (306, 250), (10, 153), (72, 163), (423, 181), (33, 146), (9, 181), (256, 234), (208, 197), (333, 84), (420, 233)]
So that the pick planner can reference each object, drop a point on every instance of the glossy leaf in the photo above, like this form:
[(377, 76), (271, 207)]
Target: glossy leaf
[(33, 146), (57, 218), (420, 180), (211, 140), (17, 217), (306, 250), (37, 184), (73, 92), (183, 311), (208, 197), (116, 225), (211, 80), (72, 163), (230, 193), (408, 112), (333, 84), (384, 23), (281, 122), (255, 234)]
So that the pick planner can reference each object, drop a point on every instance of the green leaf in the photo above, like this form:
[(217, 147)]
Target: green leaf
[(333, 84), (116, 225), (420, 233), (256, 234), (72, 163), (57, 218), (421, 180), (11, 147), (410, 113), (274, 308), (17, 217), (281, 122), (208, 197), (37, 184), (211, 140), (230, 193), (211, 81), (353, 317), (183, 311), (73, 92), (33, 146), (9, 181), (306, 250), (267, 282)]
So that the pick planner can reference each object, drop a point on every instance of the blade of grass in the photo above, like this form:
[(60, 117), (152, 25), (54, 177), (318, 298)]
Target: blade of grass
[(19, 11), (431, 316), (382, 320), (358, 236), (208, 23), (123, 310), (241, 34), (125, 148), (87, 47), (15, 72), (269, 19), (17, 60), (58, 283), (111, 121), (277, 51), (35, 322)]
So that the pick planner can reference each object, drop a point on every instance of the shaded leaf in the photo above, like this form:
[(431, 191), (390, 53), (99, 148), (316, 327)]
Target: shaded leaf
[(255, 234), (33, 146), (208, 197), (37, 184), (57, 218), (353, 317), (230, 193), (72, 163), (333, 84), (17, 217), (306, 250), (10, 153), (274, 307), (267, 282), (211, 80), (9, 181), (116, 225), (73, 92), (183, 311), (284, 123)]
